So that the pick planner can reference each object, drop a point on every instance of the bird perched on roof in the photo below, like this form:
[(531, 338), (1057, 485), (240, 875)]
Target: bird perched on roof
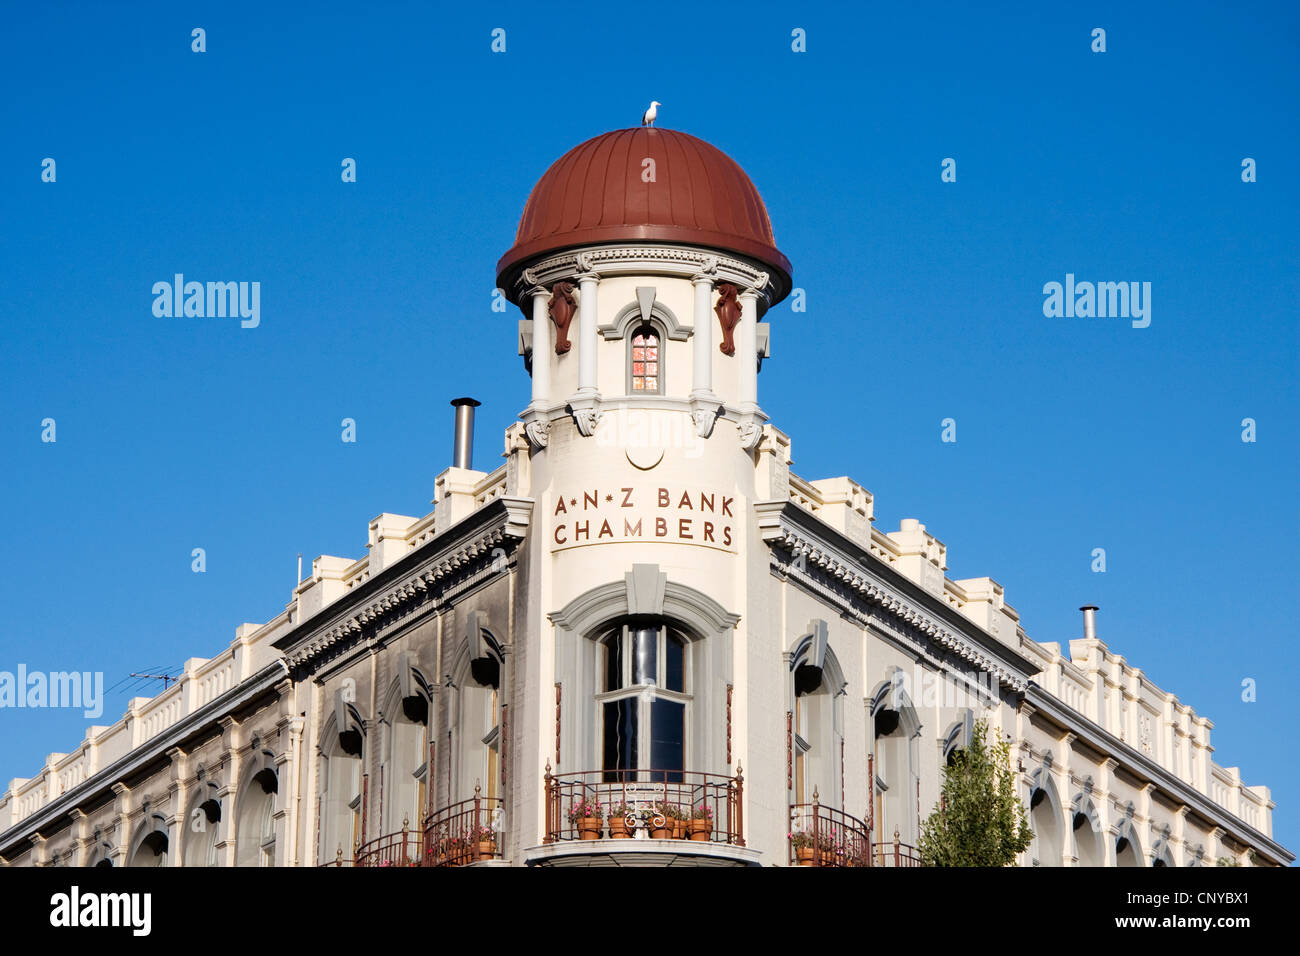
[(648, 118)]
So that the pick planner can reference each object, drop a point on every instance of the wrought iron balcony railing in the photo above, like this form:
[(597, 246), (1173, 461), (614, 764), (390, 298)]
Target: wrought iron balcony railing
[(392, 849), (896, 854), (645, 804), (824, 836), (466, 832)]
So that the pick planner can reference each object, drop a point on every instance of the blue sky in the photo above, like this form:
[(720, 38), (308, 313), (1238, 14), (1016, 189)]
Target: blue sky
[(924, 301)]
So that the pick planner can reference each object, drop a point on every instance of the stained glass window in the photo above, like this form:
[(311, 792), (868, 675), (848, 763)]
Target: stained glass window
[(645, 360)]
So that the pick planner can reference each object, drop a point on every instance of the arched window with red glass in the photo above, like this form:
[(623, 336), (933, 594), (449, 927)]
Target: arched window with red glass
[(645, 362)]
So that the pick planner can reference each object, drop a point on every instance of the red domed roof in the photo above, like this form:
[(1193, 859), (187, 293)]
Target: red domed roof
[(594, 193)]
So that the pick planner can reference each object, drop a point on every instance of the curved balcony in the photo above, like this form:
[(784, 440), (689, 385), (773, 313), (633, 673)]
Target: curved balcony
[(392, 849), (666, 817), (895, 854), (824, 836), (464, 833)]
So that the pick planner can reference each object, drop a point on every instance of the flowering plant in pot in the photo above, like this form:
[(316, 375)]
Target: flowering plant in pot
[(662, 817), (679, 818), (450, 849), (486, 839), (618, 815), (804, 843), (586, 815), (701, 824)]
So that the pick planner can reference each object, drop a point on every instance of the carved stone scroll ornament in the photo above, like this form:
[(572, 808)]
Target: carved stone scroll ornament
[(751, 432), (704, 417), (728, 309), (561, 309), (538, 432), (587, 419)]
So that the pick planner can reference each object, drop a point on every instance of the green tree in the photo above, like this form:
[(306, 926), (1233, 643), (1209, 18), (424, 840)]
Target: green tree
[(980, 821)]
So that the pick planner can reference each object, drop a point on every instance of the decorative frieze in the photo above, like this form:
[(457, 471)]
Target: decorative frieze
[(434, 585), (809, 559)]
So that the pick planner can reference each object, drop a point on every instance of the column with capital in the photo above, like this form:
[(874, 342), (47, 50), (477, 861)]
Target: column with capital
[(751, 416), (541, 346), (747, 349), (1104, 802), (1064, 783), (705, 404), (586, 400), (537, 422)]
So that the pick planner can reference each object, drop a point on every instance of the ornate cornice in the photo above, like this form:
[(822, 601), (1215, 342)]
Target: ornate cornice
[(461, 562), (866, 596), (685, 262), (1133, 761)]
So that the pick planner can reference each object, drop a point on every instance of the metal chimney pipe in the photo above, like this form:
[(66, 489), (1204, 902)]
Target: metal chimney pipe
[(1089, 622), (463, 450)]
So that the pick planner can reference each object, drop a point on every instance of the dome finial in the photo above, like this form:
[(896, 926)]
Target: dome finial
[(648, 117)]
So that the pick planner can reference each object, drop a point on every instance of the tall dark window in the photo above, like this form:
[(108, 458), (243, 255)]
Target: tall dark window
[(643, 701)]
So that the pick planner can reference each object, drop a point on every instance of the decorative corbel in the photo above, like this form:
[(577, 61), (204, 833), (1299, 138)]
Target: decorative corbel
[(728, 311), (538, 431), (561, 309), (705, 416), (587, 416)]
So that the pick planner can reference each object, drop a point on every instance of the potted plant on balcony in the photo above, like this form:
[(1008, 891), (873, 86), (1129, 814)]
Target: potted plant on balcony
[(701, 823), (618, 815), (661, 821), (451, 851), (586, 816), (804, 844), (680, 821), (486, 839)]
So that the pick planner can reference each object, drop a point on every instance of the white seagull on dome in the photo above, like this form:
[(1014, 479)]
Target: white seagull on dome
[(648, 118)]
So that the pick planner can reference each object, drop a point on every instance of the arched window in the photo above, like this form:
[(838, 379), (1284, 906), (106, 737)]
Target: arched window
[(655, 699), (152, 850), (255, 838), (816, 719), (642, 699), (1087, 835), (201, 831), (958, 737), (407, 780), (100, 852), (340, 792), (896, 765), (477, 681), (1162, 853), (1127, 850), (1044, 820), (645, 362)]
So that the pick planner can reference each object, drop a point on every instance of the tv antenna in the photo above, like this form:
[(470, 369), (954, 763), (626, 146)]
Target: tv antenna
[(167, 679)]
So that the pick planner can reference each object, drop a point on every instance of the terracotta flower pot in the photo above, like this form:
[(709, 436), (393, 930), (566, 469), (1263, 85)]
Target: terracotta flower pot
[(679, 829), (804, 855), (487, 849), (658, 832), (618, 828), (702, 830), (589, 828)]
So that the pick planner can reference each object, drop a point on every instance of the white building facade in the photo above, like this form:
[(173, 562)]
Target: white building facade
[(642, 639)]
